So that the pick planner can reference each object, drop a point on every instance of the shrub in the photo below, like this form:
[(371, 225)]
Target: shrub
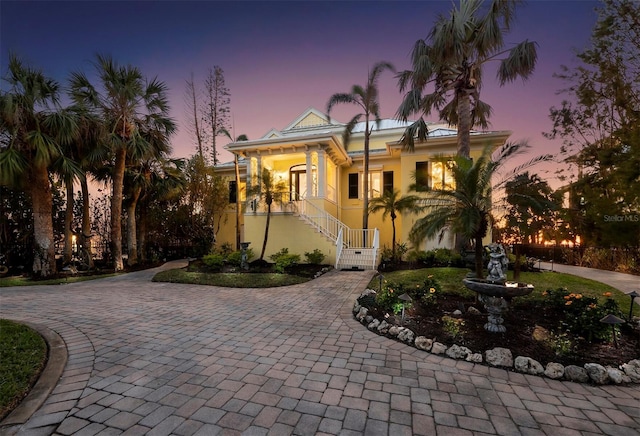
[(427, 293), (274, 257), (387, 255), (387, 298), (226, 249), (438, 257), (235, 258), (315, 257), (581, 315), (368, 301), (285, 261), (213, 261)]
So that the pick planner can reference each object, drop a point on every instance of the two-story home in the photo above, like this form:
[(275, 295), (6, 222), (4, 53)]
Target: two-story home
[(321, 203)]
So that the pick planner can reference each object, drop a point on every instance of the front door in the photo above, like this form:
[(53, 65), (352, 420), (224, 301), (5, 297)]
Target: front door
[(298, 184)]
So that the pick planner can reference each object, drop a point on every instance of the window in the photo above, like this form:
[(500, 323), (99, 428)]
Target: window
[(233, 191), (441, 175), (354, 188), (375, 184), (387, 181), (422, 176)]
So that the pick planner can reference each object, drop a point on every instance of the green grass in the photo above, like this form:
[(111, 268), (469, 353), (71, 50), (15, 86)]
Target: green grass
[(229, 280), (23, 353), (451, 282), (27, 281)]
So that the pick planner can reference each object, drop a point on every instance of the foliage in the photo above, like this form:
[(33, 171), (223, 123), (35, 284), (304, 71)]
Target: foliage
[(453, 326), (625, 260), (451, 61), (427, 292), (437, 257), (367, 98), (368, 301), (530, 210), (216, 110), (235, 258), (599, 123), (23, 356), (581, 314), (387, 298), (390, 203), (213, 261), (315, 257), (226, 249), (268, 190), (283, 260), (389, 256), (230, 280), (561, 343)]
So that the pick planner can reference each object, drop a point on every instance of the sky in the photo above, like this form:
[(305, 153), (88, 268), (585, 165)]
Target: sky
[(281, 57)]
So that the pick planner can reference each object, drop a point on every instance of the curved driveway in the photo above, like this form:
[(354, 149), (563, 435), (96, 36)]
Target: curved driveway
[(160, 358)]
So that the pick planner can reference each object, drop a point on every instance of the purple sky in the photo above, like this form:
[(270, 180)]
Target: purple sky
[(280, 58)]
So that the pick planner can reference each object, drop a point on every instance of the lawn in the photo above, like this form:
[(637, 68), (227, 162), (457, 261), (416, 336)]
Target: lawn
[(229, 280), (23, 354), (27, 281)]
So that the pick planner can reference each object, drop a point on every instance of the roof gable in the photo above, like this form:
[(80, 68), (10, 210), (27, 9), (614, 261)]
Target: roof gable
[(311, 118)]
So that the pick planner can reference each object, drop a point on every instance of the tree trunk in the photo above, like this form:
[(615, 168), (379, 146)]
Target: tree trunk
[(464, 123), (44, 259), (393, 238), (132, 242), (141, 225), (68, 222), (85, 237), (116, 208), (365, 184), (238, 206), (478, 257), (266, 232)]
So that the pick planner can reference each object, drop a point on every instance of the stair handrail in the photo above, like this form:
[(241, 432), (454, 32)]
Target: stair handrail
[(339, 246), (320, 219)]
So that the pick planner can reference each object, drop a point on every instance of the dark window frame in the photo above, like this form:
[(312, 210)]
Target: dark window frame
[(354, 185)]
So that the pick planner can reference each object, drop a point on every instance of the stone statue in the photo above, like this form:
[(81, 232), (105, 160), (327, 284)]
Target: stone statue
[(498, 263)]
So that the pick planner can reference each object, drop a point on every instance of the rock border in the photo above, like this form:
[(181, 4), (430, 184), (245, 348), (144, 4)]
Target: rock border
[(501, 357)]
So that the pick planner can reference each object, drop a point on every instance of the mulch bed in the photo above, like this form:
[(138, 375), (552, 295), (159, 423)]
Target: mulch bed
[(520, 320)]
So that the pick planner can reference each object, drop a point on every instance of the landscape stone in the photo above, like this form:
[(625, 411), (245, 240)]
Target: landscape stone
[(597, 373), (362, 313), (615, 375), (356, 307), (457, 312), (632, 370), (458, 352), (368, 319), (438, 348), (554, 370), (576, 374), (475, 358), (424, 343), (528, 365), (499, 357), (406, 335), (373, 324), (394, 330), (383, 327), (473, 311)]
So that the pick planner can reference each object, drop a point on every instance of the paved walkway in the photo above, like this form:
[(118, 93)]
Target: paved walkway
[(624, 282), (160, 358)]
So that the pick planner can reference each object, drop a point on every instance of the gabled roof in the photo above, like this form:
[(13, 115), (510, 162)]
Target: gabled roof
[(311, 118)]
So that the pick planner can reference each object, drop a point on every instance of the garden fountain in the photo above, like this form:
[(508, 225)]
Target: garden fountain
[(495, 292)]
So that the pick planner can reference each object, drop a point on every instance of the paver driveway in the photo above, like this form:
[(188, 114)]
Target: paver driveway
[(159, 358)]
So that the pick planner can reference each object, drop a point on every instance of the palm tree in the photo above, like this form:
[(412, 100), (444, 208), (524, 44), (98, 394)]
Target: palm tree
[(129, 105), (33, 127), (242, 137), (367, 99), (452, 61), (269, 191), (467, 209), (391, 204)]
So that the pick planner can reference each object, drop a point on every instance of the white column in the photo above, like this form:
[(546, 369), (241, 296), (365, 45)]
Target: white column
[(309, 174), (322, 173)]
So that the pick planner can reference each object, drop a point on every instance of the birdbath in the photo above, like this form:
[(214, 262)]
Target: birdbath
[(494, 291)]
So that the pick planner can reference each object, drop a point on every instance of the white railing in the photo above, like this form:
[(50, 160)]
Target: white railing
[(375, 246), (339, 247), (325, 223)]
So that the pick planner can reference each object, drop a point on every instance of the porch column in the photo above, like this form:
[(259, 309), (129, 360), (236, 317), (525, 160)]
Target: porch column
[(322, 173), (309, 174)]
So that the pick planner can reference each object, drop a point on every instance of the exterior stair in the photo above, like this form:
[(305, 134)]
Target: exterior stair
[(356, 249)]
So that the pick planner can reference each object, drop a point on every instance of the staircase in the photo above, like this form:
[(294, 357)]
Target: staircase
[(356, 249)]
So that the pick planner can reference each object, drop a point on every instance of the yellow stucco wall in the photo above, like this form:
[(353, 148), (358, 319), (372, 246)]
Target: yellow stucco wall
[(286, 231)]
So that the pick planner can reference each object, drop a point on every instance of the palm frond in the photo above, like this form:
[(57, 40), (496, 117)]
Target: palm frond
[(520, 62)]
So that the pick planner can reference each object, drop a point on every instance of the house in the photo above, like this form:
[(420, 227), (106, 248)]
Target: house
[(321, 205)]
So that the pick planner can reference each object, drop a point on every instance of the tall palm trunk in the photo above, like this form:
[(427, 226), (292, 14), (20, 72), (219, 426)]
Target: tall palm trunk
[(116, 209), (85, 237), (44, 259), (132, 241), (365, 184), (393, 238), (266, 230), (464, 122), (238, 206), (68, 222), (141, 224)]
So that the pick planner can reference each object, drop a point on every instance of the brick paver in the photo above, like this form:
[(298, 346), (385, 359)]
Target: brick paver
[(162, 358)]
